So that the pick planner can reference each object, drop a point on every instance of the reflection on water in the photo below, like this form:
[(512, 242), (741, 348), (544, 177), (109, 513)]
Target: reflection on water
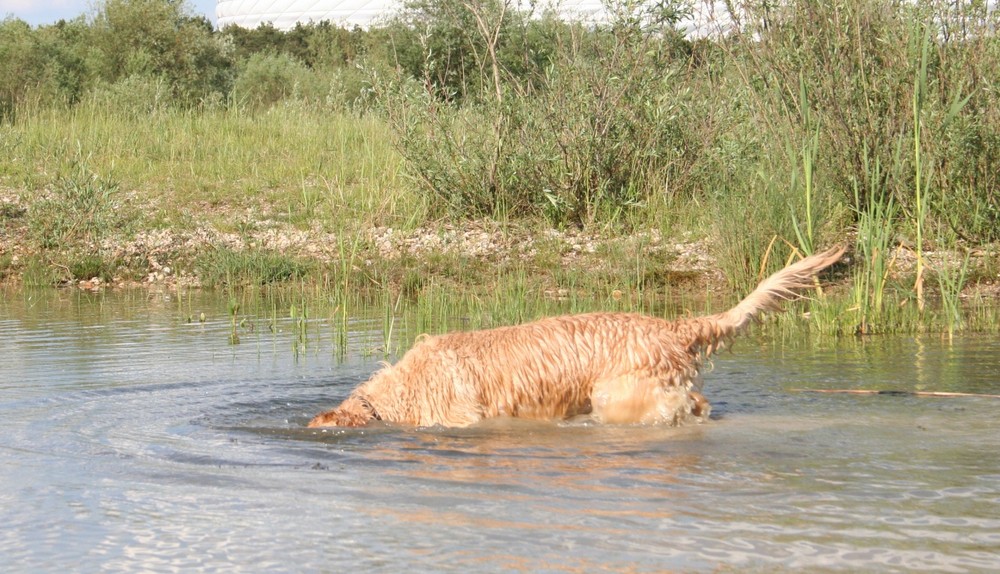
[(133, 439)]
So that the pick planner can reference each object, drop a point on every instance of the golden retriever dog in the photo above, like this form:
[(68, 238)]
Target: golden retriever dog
[(615, 367)]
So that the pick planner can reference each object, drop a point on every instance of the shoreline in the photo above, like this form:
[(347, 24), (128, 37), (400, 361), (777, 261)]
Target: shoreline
[(167, 257), (467, 256)]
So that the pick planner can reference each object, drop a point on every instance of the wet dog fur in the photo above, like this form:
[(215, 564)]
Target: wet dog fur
[(615, 367)]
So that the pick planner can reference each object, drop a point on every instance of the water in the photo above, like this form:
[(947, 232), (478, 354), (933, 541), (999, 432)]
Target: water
[(133, 440)]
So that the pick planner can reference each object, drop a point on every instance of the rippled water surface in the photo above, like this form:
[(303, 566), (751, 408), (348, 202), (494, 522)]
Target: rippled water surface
[(134, 440)]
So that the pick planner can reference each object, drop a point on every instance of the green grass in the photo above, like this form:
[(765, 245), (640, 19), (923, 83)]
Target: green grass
[(37, 272), (226, 267), (6, 266), (89, 266), (234, 171), (288, 162)]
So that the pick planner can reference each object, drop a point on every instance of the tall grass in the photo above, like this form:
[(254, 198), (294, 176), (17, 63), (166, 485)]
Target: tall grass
[(80, 209), (226, 267), (920, 190), (339, 163), (874, 248), (805, 232), (951, 281)]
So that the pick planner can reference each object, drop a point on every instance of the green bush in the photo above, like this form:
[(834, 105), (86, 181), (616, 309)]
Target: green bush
[(266, 79), (320, 46), (135, 96), (593, 136), (47, 66), (847, 71), (160, 38)]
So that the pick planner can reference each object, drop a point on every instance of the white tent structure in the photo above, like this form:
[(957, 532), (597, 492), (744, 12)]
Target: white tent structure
[(285, 14)]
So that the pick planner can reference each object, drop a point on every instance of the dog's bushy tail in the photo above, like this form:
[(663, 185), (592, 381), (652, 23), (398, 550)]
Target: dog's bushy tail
[(712, 332)]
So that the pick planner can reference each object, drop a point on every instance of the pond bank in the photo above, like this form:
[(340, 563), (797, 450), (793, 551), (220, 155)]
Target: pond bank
[(235, 248), (467, 255)]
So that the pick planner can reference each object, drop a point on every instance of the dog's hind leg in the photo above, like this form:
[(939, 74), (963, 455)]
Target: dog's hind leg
[(631, 399)]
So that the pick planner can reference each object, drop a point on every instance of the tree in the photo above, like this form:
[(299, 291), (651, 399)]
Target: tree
[(161, 38)]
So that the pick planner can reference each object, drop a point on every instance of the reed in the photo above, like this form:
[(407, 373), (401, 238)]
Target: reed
[(876, 215), (233, 309), (920, 185), (951, 280), (807, 156), (389, 312), (980, 315), (299, 315)]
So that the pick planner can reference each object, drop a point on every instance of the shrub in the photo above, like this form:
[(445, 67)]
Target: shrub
[(160, 39), (47, 66), (860, 62), (593, 136), (135, 96), (265, 79)]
